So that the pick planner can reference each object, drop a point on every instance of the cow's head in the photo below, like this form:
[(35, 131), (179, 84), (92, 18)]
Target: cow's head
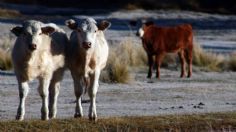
[(31, 33), (87, 30), (142, 29)]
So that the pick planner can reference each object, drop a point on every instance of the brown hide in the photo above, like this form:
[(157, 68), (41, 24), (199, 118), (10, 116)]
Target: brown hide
[(160, 40)]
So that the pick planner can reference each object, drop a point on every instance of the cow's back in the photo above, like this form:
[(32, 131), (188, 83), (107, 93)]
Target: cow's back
[(167, 39)]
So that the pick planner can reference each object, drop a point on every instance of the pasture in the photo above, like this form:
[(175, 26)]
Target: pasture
[(206, 101)]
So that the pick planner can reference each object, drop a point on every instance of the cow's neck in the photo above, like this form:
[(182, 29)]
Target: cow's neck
[(86, 60)]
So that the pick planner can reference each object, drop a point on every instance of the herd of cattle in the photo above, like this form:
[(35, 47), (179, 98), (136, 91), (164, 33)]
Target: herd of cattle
[(43, 51)]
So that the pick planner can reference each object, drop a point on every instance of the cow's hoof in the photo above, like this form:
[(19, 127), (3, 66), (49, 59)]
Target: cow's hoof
[(78, 115), (94, 119), (19, 118), (45, 118)]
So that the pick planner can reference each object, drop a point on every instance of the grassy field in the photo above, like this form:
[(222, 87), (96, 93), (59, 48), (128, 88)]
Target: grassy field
[(175, 123)]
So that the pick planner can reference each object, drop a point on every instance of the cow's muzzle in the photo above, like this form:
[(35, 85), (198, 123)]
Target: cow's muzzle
[(32, 47), (87, 45)]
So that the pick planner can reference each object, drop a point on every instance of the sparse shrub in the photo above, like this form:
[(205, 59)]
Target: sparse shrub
[(121, 59), (5, 60), (117, 70), (5, 48), (230, 64), (128, 55), (209, 61), (9, 13)]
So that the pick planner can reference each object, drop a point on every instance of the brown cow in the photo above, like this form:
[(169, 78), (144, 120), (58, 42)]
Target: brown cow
[(157, 41)]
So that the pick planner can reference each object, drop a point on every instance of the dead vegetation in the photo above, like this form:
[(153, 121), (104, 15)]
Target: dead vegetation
[(174, 123)]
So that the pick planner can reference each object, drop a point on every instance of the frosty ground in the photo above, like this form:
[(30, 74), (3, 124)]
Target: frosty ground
[(204, 92)]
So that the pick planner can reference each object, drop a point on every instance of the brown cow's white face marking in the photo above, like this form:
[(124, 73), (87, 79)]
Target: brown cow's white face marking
[(140, 32)]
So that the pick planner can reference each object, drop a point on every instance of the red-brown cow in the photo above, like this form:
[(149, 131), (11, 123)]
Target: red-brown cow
[(157, 41)]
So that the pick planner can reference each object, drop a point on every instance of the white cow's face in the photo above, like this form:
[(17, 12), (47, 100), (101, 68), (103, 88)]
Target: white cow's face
[(87, 31), (31, 33)]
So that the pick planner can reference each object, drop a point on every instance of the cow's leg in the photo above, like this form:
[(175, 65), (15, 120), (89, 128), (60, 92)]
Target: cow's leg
[(182, 61), (158, 60), (54, 89), (53, 94), (78, 89), (44, 92), (150, 65), (92, 91), (189, 59), (23, 92)]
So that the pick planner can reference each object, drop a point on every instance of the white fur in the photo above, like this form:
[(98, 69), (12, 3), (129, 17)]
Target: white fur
[(46, 63), (86, 64), (141, 32)]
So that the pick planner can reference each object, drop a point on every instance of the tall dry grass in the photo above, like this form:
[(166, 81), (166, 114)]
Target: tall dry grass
[(122, 58), (213, 62), (9, 13), (5, 60), (5, 52), (128, 55)]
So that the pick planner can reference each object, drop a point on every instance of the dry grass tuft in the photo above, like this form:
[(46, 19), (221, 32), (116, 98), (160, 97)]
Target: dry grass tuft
[(175, 123), (117, 70), (9, 13), (127, 55), (5, 60), (121, 59), (208, 61), (232, 63), (5, 52)]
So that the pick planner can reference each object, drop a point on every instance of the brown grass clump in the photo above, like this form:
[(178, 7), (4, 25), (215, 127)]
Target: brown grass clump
[(232, 63), (9, 13), (117, 70), (121, 59), (5, 60), (208, 61)]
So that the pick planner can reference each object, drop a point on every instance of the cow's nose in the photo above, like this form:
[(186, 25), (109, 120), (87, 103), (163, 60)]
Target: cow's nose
[(87, 45), (32, 46)]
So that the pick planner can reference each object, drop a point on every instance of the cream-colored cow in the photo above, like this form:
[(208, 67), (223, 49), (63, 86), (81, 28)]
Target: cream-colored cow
[(39, 52), (87, 56)]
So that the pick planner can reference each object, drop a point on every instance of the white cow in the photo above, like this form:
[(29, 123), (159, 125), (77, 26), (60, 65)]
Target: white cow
[(39, 52), (87, 56)]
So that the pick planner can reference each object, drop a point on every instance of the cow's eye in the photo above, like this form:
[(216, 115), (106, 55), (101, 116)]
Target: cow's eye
[(40, 33), (95, 31)]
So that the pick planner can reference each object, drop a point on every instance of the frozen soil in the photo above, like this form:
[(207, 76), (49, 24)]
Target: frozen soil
[(203, 93)]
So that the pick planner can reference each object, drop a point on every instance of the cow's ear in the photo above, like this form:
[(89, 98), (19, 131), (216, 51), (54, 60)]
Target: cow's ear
[(47, 30), (72, 24), (103, 25), (17, 30)]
